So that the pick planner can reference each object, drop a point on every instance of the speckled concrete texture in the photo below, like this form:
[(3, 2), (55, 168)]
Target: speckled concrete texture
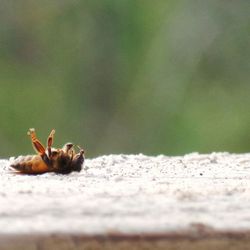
[(130, 195)]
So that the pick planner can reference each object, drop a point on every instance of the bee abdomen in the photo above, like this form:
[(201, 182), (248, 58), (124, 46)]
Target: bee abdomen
[(23, 163), (28, 164), (22, 167)]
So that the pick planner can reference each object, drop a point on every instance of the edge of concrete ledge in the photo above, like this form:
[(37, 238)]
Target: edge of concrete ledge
[(199, 238)]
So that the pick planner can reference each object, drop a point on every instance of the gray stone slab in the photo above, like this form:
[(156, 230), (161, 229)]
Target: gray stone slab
[(130, 194)]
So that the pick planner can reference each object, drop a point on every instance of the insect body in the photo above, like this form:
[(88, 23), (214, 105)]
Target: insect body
[(63, 160)]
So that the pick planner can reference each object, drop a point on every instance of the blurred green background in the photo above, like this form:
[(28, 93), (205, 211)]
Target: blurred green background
[(157, 77)]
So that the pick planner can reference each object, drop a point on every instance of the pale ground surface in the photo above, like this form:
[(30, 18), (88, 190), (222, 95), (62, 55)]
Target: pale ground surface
[(130, 194)]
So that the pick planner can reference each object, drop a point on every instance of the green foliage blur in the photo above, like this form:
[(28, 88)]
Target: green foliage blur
[(152, 77)]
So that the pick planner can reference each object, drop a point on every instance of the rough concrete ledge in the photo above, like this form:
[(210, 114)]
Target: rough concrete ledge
[(180, 241), (130, 200)]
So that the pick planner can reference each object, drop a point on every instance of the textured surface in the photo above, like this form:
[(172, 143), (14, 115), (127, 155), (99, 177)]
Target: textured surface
[(130, 194)]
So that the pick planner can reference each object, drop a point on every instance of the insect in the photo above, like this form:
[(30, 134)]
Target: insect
[(63, 160)]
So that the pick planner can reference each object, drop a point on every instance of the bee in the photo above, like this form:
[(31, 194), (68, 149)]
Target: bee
[(63, 160)]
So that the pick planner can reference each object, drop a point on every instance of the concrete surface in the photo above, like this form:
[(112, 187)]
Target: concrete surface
[(132, 195)]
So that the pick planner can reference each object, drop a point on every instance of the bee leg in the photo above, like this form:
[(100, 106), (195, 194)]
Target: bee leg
[(39, 148), (81, 150), (78, 161), (68, 148), (50, 141)]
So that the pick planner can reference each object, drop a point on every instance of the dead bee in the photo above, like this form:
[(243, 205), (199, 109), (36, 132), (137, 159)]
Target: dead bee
[(63, 160)]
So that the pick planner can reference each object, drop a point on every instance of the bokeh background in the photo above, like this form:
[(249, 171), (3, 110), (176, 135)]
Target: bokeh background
[(156, 77)]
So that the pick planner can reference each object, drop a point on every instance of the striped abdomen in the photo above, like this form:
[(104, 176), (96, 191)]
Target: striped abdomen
[(29, 164)]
